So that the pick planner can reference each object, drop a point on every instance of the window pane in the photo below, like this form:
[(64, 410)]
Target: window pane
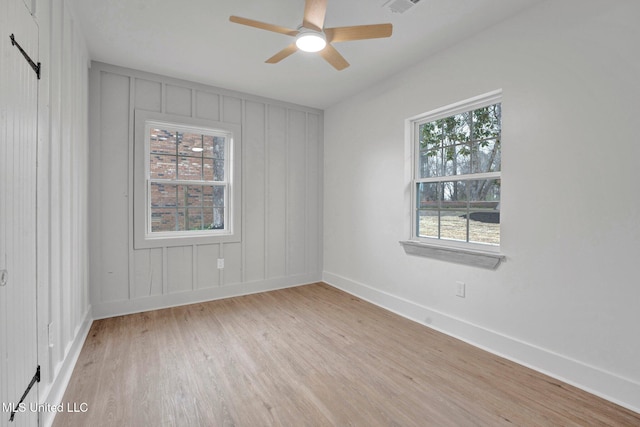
[(218, 147), (194, 219), (190, 168), (214, 196), (180, 219), (207, 145), (457, 159), (487, 122), (431, 135), (207, 218), (428, 204), (481, 231), (163, 219), (484, 211), (218, 196), (194, 195), (454, 194), (162, 166), (163, 195), (218, 219), (484, 193), (162, 141), (457, 128), (427, 195), (207, 197), (428, 223), (430, 163), (187, 142), (453, 225), (486, 156), (207, 169), (213, 205), (218, 170)]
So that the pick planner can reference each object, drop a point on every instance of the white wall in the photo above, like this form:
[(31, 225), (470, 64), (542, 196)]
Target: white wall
[(64, 313), (281, 196), (566, 301)]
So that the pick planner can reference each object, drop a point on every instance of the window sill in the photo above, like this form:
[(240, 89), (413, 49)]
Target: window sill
[(472, 257)]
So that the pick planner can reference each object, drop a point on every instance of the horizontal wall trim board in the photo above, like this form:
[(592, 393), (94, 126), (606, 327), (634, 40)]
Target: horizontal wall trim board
[(596, 381), (157, 302)]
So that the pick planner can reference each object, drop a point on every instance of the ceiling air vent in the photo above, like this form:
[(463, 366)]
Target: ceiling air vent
[(400, 6)]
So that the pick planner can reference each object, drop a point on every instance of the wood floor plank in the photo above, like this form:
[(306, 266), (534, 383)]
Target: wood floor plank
[(308, 356)]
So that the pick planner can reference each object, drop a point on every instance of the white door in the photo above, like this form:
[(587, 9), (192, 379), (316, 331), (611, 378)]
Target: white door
[(18, 144)]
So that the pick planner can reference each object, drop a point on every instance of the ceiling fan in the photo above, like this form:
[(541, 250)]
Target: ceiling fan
[(311, 36)]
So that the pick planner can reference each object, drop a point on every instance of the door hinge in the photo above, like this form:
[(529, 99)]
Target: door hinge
[(36, 67), (35, 379)]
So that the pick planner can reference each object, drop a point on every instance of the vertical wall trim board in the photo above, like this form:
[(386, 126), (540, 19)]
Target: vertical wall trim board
[(221, 270), (306, 193), (266, 190), (243, 202), (194, 105), (131, 255), (221, 108), (221, 101), (194, 267), (165, 272), (287, 216), (163, 98)]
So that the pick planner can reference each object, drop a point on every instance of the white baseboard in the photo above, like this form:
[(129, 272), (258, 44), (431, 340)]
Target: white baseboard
[(62, 377), (156, 302), (596, 381)]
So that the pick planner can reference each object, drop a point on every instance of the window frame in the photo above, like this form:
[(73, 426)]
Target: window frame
[(143, 236), (472, 253)]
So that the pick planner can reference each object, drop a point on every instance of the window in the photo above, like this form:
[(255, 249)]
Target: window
[(456, 152), (187, 179)]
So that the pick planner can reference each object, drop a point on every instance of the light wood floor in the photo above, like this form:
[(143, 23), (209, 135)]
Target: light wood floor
[(308, 356)]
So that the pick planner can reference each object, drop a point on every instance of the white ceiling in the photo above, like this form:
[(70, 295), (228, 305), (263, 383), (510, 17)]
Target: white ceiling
[(194, 40)]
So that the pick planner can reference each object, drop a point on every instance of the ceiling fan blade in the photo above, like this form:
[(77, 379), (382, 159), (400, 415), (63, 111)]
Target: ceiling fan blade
[(333, 57), (358, 32), (292, 48), (314, 11), (263, 25)]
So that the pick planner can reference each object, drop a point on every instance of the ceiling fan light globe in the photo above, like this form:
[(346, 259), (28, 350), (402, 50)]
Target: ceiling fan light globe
[(311, 41)]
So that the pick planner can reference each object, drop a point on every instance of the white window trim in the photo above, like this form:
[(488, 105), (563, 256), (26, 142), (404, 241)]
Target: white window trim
[(143, 238), (468, 253)]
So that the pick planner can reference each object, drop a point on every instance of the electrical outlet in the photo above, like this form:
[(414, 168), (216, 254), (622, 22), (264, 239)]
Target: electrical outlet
[(460, 289), (220, 263)]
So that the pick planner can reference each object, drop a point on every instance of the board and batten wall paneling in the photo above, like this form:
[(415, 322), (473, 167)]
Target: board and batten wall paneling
[(296, 183), (114, 153), (314, 172), (275, 191), (64, 311), (281, 158), (255, 168)]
